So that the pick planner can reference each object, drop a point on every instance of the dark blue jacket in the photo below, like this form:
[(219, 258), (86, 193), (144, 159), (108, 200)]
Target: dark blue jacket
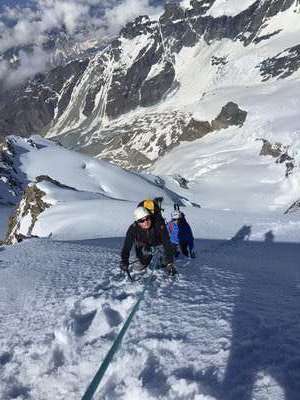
[(180, 232)]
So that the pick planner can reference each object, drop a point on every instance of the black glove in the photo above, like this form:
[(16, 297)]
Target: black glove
[(124, 266), (171, 270)]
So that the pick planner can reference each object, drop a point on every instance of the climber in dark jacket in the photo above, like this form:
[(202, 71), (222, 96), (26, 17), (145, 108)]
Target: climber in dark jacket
[(144, 234)]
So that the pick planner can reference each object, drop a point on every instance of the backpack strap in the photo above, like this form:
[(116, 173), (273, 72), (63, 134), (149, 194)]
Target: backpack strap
[(171, 226)]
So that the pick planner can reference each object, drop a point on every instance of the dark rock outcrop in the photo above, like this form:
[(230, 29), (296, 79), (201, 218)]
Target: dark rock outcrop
[(269, 149), (282, 65), (195, 130), (142, 25), (30, 207), (176, 30), (200, 7), (219, 60), (230, 114), (12, 180), (130, 87), (289, 163), (182, 182), (46, 178), (153, 90), (295, 207), (137, 143), (27, 109), (280, 152)]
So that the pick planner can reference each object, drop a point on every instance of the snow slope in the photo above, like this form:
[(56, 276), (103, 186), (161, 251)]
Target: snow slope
[(86, 174), (228, 7), (209, 72), (228, 163), (95, 199), (227, 329), (225, 168), (88, 198)]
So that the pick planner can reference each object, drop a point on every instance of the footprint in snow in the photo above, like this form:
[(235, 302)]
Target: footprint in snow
[(113, 317), (82, 322), (5, 358)]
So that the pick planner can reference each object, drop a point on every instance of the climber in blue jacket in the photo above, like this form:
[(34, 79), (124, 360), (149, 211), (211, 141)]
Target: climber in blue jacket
[(181, 234)]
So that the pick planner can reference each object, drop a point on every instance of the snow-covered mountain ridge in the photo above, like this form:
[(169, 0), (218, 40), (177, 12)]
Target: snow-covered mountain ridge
[(208, 119), (58, 45), (64, 191), (160, 95), (67, 195), (143, 65)]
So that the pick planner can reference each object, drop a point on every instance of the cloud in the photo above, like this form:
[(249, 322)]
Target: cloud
[(29, 26), (185, 4), (70, 14), (126, 11), (29, 65)]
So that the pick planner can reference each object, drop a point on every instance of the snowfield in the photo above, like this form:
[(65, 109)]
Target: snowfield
[(228, 328)]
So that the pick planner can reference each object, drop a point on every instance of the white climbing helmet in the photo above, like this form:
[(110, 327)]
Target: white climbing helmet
[(140, 213)]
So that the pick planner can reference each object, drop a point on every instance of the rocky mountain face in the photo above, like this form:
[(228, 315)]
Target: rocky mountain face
[(28, 108), (32, 202), (104, 104), (295, 207), (12, 181), (41, 174), (136, 145), (61, 47), (58, 48), (280, 153), (22, 222), (282, 65)]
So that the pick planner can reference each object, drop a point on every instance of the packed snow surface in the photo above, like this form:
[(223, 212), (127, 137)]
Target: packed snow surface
[(227, 328), (228, 7), (86, 174)]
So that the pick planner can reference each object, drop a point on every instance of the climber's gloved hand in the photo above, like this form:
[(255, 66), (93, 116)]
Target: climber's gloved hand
[(171, 269), (124, 266)]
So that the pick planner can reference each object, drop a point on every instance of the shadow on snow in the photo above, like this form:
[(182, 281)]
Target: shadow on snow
[(265, 322)]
